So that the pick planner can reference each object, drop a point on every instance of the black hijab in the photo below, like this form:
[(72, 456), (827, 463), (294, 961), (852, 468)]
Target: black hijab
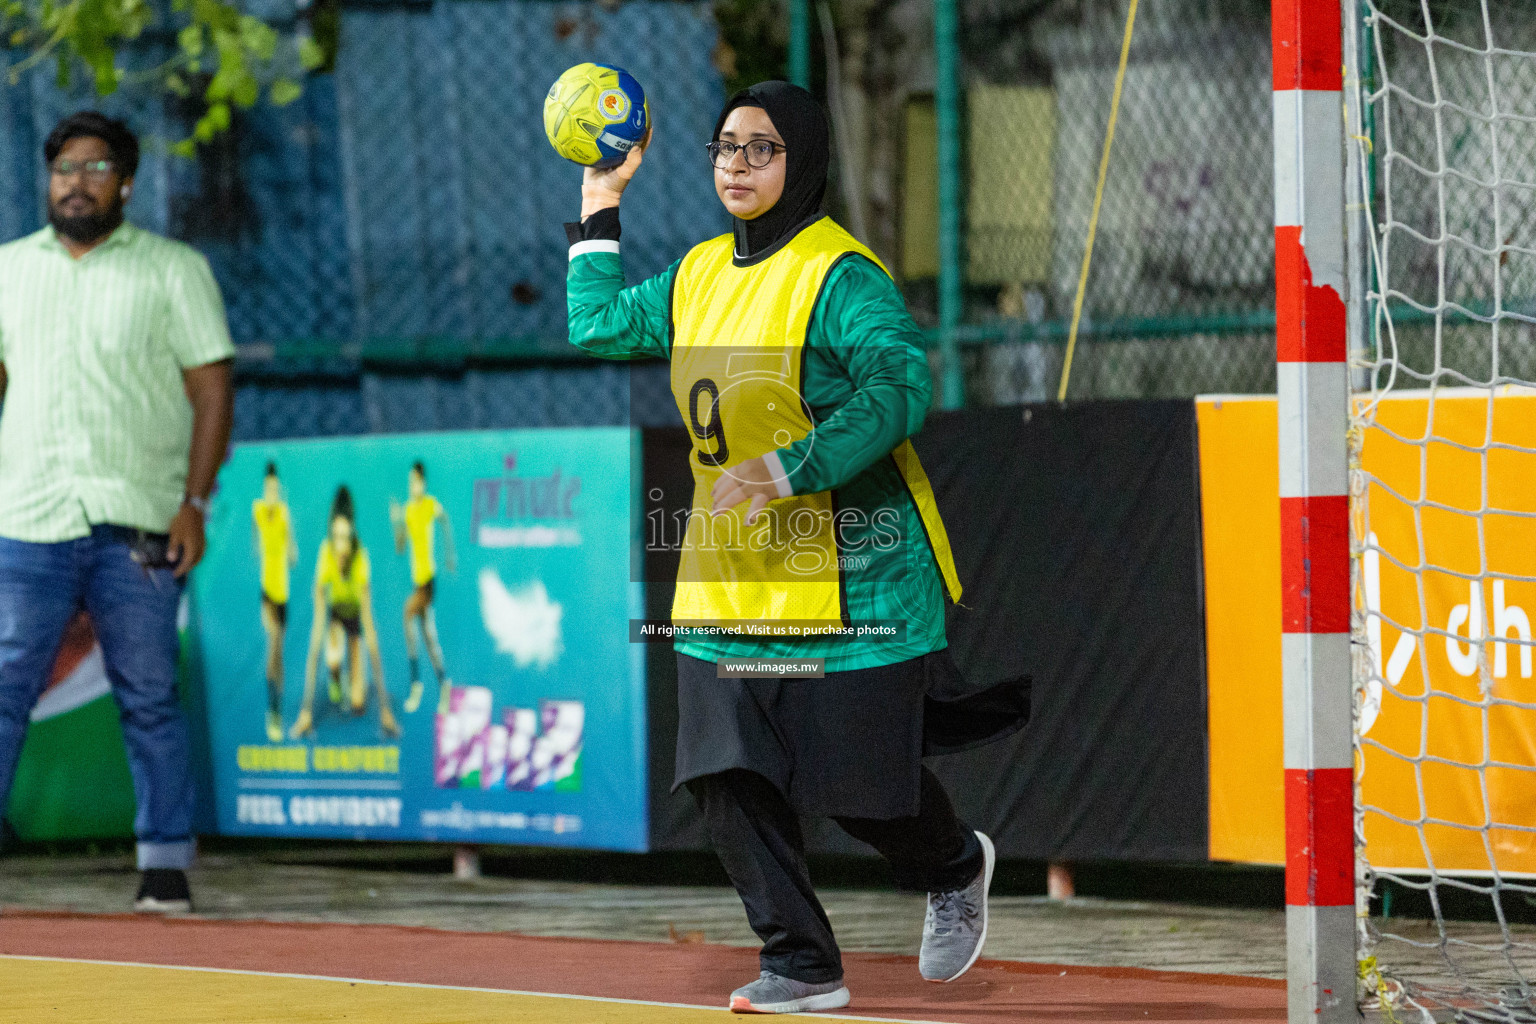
[(807, 139)]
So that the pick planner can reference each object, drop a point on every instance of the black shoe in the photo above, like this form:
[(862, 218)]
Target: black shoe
[(163, 891)]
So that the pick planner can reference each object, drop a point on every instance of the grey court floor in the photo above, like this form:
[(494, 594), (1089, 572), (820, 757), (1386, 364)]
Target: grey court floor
[(1076, 932), (345, 887)]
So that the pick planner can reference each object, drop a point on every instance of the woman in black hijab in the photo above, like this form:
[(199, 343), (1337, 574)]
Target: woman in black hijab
[(798, 119), (801, 375)]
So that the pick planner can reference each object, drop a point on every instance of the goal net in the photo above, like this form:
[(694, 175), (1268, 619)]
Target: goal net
[(1442, 126)]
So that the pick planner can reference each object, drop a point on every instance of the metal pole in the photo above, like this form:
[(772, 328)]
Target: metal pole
[(1357, 224), (800, 43), (1311, 342), (946, 53)]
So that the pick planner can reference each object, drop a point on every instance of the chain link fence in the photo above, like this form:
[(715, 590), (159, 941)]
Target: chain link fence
[(409, 202), (454, 196), (408, 205), (1180, 299), (398, 227)]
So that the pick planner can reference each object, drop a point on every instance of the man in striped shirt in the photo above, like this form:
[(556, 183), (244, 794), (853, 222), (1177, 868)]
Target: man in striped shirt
[(115, 365)]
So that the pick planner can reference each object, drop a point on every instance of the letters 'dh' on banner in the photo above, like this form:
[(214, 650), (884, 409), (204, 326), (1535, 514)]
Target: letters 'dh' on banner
[(1446, 662), (426, 637), (1450, 713)]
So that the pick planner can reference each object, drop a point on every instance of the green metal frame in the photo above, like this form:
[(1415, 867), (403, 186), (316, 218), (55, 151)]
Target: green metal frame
[(800, 43), (947, 112), (310, 357), (1116, 329)]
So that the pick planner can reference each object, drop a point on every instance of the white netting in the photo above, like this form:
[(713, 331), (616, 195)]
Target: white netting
[(1443, 480)]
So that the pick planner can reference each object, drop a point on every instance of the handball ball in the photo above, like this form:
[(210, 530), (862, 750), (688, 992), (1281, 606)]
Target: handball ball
[(595, 114)]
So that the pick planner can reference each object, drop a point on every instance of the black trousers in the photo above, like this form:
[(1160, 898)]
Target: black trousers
[(757, 836)]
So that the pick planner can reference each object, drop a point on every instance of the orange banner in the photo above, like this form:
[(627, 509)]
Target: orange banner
[(1240, 517), (1449, 719)]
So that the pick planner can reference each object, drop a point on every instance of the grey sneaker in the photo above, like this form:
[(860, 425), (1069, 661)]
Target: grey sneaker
[(771, 993), (956, 925)]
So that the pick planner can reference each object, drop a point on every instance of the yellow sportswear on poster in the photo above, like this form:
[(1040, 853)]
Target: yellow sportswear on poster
[(342, 591), (420, 519), (272, 535)]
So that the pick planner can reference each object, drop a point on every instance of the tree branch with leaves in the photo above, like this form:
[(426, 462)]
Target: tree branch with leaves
[(233, 58)]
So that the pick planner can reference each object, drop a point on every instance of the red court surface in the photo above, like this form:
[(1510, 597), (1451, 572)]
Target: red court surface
[(883, 986)]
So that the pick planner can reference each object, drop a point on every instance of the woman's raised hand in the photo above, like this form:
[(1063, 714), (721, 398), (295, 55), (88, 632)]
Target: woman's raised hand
[(602, 189)]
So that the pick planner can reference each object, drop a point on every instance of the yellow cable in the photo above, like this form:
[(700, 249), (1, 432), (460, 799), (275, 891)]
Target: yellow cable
[(1370, 973), (1098, 200)]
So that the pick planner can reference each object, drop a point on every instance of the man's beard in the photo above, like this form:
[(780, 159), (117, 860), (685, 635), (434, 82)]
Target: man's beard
[(85, 227)]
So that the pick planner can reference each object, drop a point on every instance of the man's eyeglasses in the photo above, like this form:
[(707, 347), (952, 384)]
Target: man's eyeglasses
[(94, 171), (758, 152)]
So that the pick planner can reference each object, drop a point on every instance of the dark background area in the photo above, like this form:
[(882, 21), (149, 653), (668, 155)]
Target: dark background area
[(1076, 534)]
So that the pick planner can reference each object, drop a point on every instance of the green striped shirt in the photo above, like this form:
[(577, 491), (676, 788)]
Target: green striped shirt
[(97, 427)]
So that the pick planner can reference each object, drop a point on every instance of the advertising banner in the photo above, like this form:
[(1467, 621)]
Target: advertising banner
[(1449, 720), (74, 745), (426, 637), (1240, 535), (1448, 715)]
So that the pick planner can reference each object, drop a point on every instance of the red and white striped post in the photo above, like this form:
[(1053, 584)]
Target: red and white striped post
[(1313, 381)]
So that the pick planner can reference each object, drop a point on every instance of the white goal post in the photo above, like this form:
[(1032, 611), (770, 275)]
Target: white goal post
[(1405, 256), (1313, 386)]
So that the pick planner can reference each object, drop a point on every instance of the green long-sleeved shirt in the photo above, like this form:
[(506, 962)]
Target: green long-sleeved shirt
[(867, 384)]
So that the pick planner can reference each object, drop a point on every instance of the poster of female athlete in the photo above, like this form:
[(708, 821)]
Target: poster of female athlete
[(502, 559)]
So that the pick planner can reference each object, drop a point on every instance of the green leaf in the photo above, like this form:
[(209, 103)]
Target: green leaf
[(186, 148), (222, 85), (210, 124), (311, 53), (191, 40), (135, 16), (258, 37), (247, 91), (98, 54), (228, 45), (212, 36), (284, 91)]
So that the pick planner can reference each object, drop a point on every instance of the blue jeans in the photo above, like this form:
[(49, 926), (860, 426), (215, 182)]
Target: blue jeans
[(133, 611)]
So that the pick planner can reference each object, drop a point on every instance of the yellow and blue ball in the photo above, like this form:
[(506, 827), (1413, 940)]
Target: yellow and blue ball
[(595, 114)]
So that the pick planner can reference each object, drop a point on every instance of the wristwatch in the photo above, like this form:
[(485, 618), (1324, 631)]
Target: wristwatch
[(201, 504)]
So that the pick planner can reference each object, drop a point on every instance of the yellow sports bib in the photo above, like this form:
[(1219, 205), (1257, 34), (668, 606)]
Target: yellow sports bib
[(738, 339), (271, 520)]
